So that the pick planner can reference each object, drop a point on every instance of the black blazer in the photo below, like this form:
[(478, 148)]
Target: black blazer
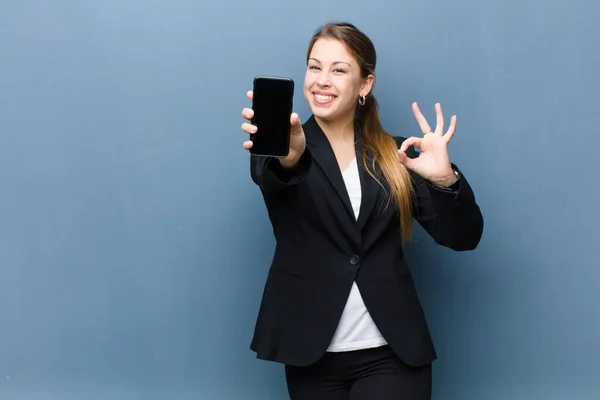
[(322, 249)]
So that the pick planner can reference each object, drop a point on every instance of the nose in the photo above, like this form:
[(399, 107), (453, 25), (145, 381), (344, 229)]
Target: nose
[(323, 84), (323, 80)]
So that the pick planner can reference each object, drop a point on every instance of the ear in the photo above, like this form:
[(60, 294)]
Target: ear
[(367, 85)]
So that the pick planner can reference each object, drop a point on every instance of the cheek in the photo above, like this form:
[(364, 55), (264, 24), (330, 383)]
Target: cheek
[(309, 80), (347, 89)]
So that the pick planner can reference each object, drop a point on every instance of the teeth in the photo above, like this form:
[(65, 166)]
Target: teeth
[(321, 97)]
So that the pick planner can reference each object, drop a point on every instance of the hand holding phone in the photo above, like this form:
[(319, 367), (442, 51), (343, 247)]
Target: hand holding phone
[(275, 131)]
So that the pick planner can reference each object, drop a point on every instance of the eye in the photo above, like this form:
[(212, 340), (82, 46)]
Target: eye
[(315, 67), (339, 70)]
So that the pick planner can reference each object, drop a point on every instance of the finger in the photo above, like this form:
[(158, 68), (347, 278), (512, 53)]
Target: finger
[(248, 113), (411, 141), (248, 145), (439, 128), (451, 129), (250, 94), (420, 118), (405, 160), (296, 124), (249, 128)]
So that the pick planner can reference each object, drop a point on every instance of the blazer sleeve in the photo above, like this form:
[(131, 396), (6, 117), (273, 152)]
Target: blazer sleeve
[(450, 215), (271, 177)]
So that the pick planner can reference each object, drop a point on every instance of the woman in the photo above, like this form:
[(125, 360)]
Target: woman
[(339, 307)]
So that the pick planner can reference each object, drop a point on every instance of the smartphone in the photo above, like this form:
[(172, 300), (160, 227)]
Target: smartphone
[(272, 104)]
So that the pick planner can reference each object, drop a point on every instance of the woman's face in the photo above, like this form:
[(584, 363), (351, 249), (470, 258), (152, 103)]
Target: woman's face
[(333, 82)]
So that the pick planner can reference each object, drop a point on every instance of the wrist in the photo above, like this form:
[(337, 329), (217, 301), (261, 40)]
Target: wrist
[(447, 181), (289, 163)]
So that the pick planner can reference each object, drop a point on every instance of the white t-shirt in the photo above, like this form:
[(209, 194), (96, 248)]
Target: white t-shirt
[(356, 329)]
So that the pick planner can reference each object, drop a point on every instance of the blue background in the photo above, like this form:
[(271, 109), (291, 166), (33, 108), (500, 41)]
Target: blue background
[(134, 247)]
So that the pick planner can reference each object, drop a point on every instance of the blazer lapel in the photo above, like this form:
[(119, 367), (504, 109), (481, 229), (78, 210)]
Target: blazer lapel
[(369, 187), (324, 156)]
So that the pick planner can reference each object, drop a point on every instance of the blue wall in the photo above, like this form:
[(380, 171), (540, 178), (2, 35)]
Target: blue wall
[(134, 247)]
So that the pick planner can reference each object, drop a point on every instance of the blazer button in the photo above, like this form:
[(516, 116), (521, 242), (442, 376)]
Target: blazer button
[(354, 260)]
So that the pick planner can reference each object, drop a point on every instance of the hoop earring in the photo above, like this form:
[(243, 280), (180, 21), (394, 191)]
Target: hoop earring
[(362, 100)]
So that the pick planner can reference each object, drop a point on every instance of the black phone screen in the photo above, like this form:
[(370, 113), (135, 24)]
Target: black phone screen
[(272, 105)]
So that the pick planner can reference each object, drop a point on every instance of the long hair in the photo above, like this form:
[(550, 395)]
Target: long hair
[(382, 145)]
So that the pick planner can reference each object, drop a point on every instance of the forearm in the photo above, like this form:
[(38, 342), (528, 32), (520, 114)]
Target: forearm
[(272, 174), (450, 215)]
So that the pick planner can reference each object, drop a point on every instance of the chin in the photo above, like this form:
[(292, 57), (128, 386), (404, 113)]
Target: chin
[(320, 113), (323, 113)]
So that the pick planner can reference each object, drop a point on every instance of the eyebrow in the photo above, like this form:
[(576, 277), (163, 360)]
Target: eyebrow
[(334, 63)]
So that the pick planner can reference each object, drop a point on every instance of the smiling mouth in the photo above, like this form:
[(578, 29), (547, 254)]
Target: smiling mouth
[(323, 98)]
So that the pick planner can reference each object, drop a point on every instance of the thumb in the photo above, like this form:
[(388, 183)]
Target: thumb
[(296, 124), (404, 159)]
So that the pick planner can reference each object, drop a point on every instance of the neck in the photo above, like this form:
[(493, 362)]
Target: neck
[(340, 129)]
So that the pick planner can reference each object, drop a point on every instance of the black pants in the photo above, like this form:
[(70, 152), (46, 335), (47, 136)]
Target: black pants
[(372, 374)]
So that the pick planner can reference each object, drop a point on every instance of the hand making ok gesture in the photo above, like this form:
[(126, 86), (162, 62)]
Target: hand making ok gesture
[(433, 162)]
